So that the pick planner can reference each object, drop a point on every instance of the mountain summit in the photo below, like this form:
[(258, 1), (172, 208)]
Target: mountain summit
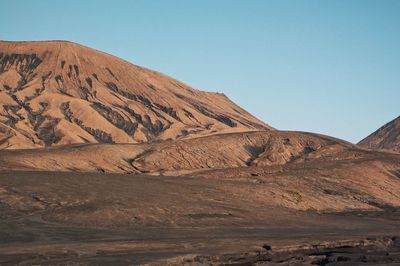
[(58, 92), (387, 137)]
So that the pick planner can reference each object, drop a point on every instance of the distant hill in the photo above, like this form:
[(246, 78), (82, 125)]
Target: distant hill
[(386, 137)]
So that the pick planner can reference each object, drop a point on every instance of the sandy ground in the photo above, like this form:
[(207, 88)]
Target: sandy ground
[(78, 218)]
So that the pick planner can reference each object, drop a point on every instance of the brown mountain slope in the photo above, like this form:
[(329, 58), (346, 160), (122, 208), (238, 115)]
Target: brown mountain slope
[(57, 93), (386, 137)]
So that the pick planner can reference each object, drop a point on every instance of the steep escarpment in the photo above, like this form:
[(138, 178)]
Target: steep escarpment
[(57, 93)]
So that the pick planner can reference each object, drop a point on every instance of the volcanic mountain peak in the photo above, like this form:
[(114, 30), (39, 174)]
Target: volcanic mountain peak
[(58, 92), (387, 137)]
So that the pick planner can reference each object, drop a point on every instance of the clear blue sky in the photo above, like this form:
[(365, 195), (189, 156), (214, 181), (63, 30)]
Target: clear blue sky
[(331, 67)]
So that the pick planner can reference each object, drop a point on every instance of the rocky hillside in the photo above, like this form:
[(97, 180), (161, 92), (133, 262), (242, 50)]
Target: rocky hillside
[(386, 137), (57, 93), (233, 150), (295, 170)]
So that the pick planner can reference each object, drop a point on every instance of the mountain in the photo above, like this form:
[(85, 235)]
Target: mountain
[(386, 137), (57, 93)]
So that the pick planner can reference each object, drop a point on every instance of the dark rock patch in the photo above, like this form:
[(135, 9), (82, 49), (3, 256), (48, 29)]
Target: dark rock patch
[(145, 101), (65, 109), (150, 129), (154, 128), (86, 93), (7, 88), (12, 115), (115, 118), (89, 82), (168, 110), (59, 78), (76, 68), (69, 74), (36, 120), (47, 133), (226, 120), (64, 91), (221, 118), (188, 114), (24, 63), (111, 73), (100, 135)]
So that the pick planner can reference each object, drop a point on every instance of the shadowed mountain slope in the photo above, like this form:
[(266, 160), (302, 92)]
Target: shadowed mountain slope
[(58, 93), (386, 137)]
